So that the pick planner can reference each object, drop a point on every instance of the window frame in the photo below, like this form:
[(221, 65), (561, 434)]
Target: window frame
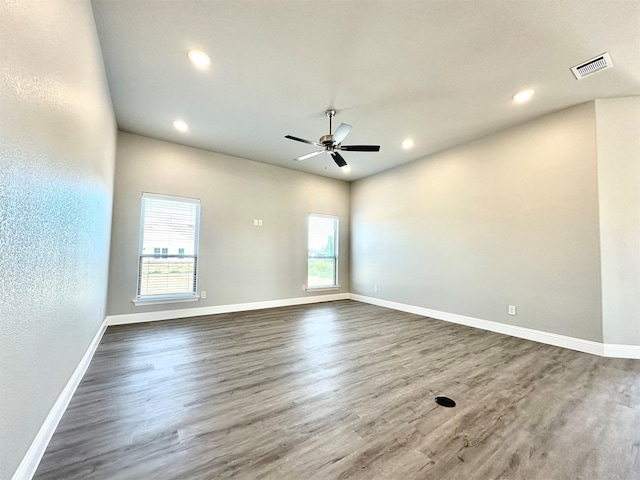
[(335, 257), (167, 297)]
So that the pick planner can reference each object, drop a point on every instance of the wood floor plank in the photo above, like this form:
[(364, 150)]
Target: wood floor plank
[(343, 390)]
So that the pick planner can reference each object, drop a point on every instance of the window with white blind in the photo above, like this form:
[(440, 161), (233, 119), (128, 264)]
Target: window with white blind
[(322, 269), (168, 252)]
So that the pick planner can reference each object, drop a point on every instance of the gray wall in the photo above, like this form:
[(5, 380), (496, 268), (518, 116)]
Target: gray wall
[(238, 262), (618, 134), (508, 219), (57, 150)]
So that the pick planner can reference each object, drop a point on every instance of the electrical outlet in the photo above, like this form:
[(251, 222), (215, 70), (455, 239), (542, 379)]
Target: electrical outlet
[(512, 310), (375, 288), (260, 222), (304, 287), (203, 294)]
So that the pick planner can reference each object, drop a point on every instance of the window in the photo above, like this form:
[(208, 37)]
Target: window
[(323, 251), (169, 225)]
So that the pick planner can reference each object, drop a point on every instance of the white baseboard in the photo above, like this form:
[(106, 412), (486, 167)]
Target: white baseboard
[(31, 460), (586, 346), (622, 351), (581, 345), (127, 318)]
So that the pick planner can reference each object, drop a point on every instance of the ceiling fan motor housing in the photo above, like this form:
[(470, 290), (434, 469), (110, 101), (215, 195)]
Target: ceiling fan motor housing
[(326, 139)]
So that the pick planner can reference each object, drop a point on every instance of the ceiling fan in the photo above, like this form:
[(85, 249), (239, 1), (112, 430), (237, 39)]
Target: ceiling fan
[(332, 143)]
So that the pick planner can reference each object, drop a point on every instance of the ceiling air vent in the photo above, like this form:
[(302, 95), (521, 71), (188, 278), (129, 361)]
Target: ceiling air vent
[(601, 62)]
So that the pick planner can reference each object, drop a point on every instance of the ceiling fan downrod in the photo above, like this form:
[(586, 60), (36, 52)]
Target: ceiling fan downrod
[(328, 139)]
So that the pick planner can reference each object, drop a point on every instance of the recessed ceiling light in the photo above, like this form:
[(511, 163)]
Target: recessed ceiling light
[(199, 58), (346, 169), (407, 143), (523, 96), (181, 126)]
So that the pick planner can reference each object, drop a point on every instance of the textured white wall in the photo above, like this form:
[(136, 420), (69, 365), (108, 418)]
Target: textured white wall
[(618, 127), (238, 263), (57, 148), (508, 219)]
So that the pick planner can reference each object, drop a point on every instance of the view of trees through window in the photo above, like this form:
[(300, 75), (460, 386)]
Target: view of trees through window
[(323, 251)]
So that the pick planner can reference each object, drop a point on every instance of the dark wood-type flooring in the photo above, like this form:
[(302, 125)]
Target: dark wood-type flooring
[(344, 390)]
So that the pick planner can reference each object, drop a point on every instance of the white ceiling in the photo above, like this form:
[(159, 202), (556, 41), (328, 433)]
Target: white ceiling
[(440, 72)]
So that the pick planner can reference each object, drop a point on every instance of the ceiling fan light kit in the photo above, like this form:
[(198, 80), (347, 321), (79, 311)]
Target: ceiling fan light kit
[(332, 143)]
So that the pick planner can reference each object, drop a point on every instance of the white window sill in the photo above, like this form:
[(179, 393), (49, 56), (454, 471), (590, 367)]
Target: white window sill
[(159, 300), (319, 289)]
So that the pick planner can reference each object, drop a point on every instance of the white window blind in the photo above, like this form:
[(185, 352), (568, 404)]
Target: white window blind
[(168, 258), (323, 251)]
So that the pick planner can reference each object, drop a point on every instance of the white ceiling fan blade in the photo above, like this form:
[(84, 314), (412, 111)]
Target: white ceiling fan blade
[(341, 132), (308, 155)]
